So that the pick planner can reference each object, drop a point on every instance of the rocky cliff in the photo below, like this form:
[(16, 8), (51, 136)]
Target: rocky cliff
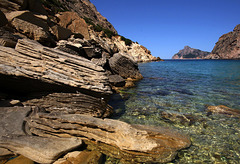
[(228, 46), (69, 14), (190, 53), (57, 72)]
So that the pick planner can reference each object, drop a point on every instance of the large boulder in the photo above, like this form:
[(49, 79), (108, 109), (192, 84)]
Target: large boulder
[(33, 27), (41, 68), (73, 22), (124, 66)]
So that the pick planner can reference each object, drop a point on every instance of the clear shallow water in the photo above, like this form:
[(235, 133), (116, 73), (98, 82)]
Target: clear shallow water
[(184, 88)]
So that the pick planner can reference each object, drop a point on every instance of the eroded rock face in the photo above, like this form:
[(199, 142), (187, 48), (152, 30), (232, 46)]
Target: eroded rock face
[(73, 103), (34, 61), (228, 46), (124, 66), (86, 9), (73, 22), (28, 24), (132, 142)]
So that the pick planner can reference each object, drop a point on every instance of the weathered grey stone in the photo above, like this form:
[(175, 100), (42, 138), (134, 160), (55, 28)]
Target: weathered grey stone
[(122, 65), (12, 120), (34, 61), (136, 143), (39, 149), (116, 80), (73, 103), (13, 136)]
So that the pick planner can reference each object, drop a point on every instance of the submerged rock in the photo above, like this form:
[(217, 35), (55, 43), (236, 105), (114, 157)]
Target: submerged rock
[(184, 119), (136, 143), (221, 109), (81, 157), (20, 160)]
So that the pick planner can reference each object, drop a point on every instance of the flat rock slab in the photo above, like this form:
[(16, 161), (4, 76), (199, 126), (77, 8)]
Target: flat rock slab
[(120, 140), (13, 136), (39, 149), (34, 61)]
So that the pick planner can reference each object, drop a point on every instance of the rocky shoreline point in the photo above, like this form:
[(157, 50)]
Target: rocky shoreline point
[(57, 74)]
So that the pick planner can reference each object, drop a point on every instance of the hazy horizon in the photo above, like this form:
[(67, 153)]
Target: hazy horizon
[(166, 26)]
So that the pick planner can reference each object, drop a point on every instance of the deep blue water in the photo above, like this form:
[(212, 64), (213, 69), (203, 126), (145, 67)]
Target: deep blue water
[(194, 83), (186, 87)]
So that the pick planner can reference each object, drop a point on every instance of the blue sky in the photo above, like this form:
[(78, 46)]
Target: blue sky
[(166, 26)]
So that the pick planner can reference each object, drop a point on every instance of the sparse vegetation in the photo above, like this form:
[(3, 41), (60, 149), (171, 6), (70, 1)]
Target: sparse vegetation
[(128, 42), (99, 28), (54, 5)]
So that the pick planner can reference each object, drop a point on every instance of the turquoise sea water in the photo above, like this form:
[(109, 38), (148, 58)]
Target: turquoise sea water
[(184, 88)]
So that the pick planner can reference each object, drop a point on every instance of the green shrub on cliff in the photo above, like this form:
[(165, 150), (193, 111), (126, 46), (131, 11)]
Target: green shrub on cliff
[(54, 5), (128, 42), (99, 28)]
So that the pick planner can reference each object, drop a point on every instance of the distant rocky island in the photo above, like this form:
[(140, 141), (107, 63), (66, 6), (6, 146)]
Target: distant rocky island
[(190, 53), (228, 46)]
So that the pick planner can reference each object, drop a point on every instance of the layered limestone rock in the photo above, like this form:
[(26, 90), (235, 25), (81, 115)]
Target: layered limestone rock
[(228, 46), (135, 143), (14, 136), (190, 53), (34, 61), (70, 103)]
